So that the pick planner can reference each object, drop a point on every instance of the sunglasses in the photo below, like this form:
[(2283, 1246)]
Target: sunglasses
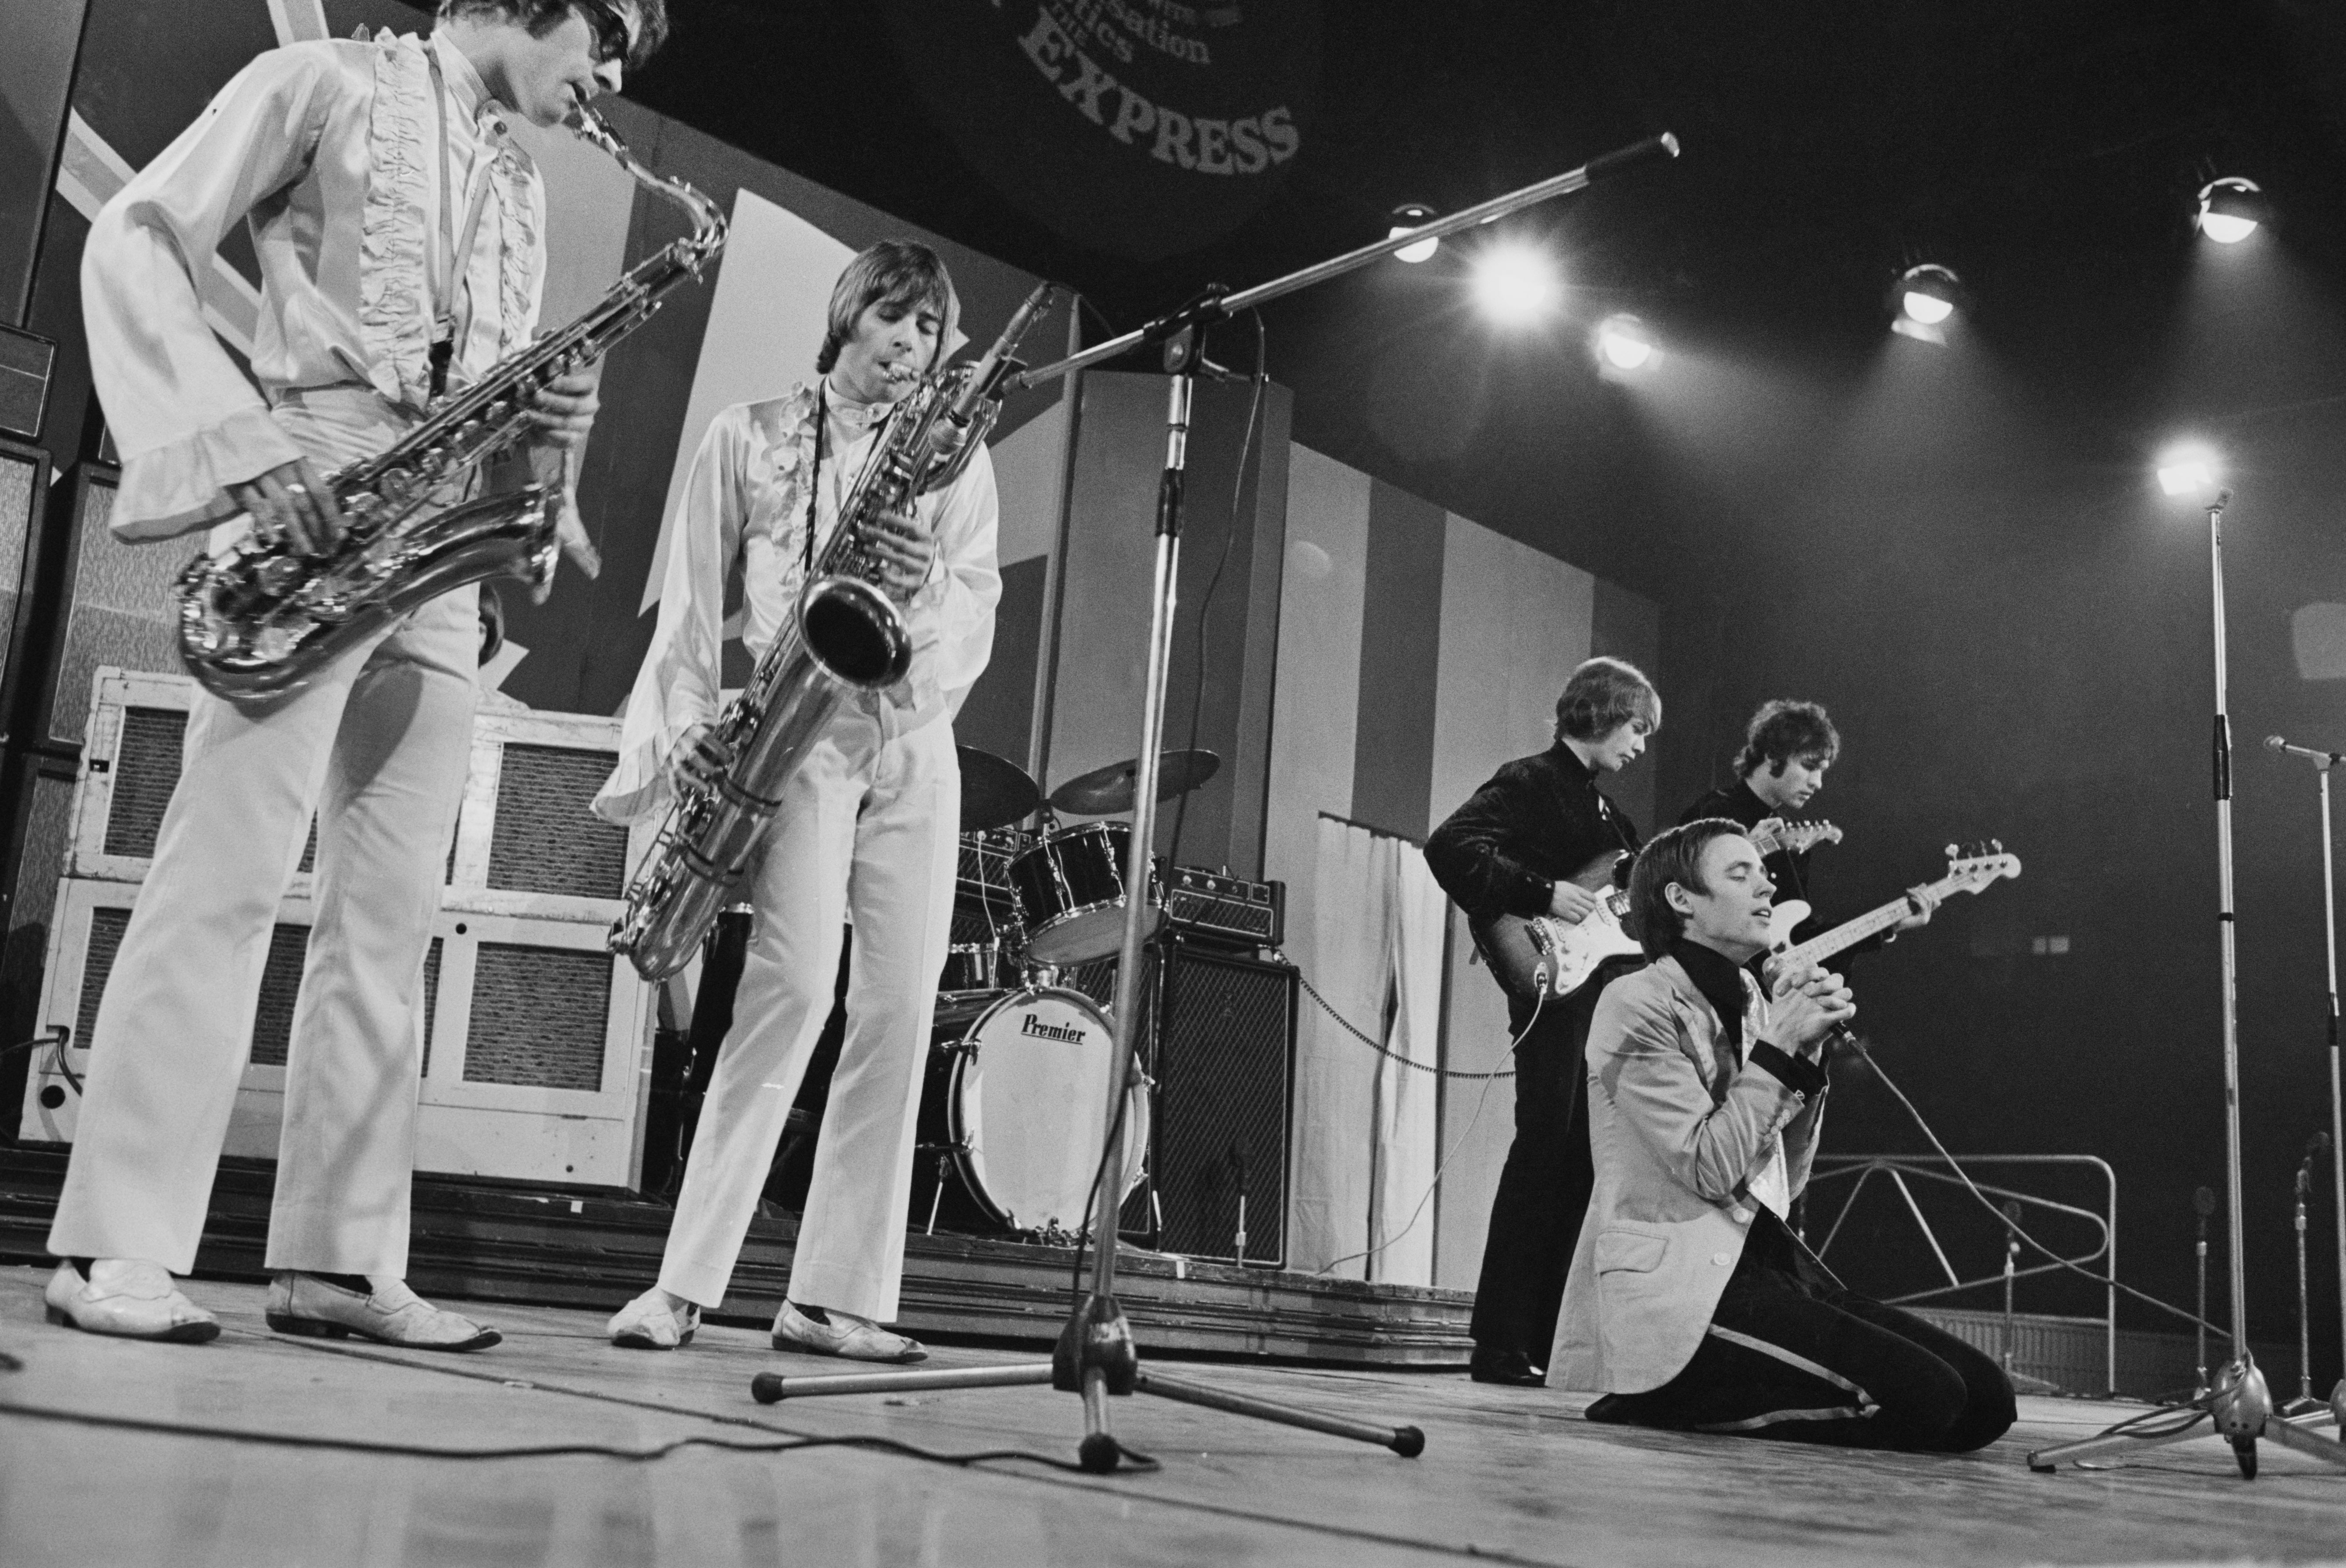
[(611, 40)]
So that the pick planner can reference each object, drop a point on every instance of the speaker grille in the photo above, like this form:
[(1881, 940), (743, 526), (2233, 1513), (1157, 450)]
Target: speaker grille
[(431, 1001), (145, 771), (280, 989), (1222, 1077), (546, 840), (106, 929), (123, 613), (537, 1017)]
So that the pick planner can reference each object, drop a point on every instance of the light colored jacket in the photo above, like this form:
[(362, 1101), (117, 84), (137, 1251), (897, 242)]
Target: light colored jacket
[(1678, 1128)]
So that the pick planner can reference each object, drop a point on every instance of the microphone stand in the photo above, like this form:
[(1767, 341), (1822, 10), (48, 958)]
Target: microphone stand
[(2305, 1402), (1096, 1356), (2323, 761), (2240, 1406), (2203, 1201)]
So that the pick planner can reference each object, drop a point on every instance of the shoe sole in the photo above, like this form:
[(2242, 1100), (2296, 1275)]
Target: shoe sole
[(631, 1342), (177, 1334), (321, 1329), (799, 1348)]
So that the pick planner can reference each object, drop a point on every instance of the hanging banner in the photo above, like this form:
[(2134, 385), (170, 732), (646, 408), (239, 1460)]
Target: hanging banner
[(1140, 128)]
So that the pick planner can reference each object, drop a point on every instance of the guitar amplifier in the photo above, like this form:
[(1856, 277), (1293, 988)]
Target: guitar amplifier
[(534, 1040), (1221, 1068), (1230, 912)]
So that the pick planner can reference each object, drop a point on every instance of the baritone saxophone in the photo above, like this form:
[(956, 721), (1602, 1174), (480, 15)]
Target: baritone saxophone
[(847, 634)]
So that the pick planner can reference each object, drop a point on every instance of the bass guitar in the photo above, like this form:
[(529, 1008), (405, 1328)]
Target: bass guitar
[(1531, 955), (1969, 870)]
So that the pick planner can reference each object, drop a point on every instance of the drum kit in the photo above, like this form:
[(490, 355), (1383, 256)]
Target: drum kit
[(1013, 1110)]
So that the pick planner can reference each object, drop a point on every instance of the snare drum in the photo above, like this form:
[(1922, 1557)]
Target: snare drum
[(979, 967), (1012, 1118), (1071, 891)]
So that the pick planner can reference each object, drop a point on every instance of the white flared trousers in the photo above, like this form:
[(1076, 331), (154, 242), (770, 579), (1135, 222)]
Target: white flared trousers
[(867, 828), (376, 746)]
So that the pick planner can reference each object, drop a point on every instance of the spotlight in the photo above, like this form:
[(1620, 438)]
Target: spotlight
[(1412, 215), (1514, 283), (1622, 343), (1928, 294), (2188, 470), (2231, 209)]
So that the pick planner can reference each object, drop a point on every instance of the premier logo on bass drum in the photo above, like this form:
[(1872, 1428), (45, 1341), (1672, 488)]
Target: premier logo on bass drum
[(1031, 1024)]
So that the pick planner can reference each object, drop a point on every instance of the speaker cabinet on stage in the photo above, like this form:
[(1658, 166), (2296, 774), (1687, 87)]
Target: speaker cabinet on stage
[(535, 1042), (1217, 1040)]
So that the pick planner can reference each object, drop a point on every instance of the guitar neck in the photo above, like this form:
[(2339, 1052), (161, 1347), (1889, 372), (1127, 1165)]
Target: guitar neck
[(1849, 933)]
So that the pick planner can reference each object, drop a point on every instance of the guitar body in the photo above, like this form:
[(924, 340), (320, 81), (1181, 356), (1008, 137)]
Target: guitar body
[(1530, 956)]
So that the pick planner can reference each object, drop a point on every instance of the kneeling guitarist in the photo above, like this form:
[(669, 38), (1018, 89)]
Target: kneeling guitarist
[(1540, 839)]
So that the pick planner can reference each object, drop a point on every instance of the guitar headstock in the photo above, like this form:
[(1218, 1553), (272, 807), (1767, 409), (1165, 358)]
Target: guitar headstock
[(1775, 835), (1973, 866)]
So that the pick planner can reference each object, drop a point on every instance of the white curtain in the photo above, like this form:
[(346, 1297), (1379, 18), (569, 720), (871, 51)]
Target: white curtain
[(1365, 1128)]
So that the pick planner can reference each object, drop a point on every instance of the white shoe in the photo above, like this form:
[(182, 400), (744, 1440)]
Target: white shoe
[(317, 1308), (845, 1335), (129, 1296), (649, 1323)]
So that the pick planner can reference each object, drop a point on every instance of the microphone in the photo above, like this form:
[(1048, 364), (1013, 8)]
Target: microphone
[(2313, 754), (2204, 1201), (2315, 1148)]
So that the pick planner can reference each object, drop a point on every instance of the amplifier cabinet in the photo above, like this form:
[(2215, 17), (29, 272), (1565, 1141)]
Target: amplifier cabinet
[(535, 1042), (1218, 1041), (526, 845)]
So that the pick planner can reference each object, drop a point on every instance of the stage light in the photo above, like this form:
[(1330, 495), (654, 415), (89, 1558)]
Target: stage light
[(1412, 215), (1622, 343), (2188, 469), (1514, 283), (1928, 294), (2232, 209)]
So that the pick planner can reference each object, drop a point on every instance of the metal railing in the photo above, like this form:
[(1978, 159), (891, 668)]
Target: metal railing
[(1898, 1169)]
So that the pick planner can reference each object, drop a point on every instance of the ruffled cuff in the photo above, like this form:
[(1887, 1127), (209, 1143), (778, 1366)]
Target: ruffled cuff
[(636, 787), (179, 488)]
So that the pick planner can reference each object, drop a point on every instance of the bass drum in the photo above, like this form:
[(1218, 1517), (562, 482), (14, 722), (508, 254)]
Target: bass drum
[(1012, 1118)]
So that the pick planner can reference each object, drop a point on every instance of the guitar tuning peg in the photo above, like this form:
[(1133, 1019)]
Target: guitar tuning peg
[(1996, 845), (1953, 852)]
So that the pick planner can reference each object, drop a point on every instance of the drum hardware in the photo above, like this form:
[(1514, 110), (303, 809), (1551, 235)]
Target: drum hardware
[(1105, 791)]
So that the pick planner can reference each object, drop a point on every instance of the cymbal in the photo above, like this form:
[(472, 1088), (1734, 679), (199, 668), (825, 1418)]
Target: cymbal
[(995, 790), (1104, 791)]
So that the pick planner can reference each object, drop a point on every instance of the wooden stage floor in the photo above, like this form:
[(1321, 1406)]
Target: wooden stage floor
[(1507, 1474)]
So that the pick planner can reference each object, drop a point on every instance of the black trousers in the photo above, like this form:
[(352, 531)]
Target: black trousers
[(1792, 1354), (1544, 1187)]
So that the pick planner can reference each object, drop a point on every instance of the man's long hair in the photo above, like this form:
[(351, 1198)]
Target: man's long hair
[(543, 16), (1675, 856), (1603, 695), (1782, 730), (893, 273)]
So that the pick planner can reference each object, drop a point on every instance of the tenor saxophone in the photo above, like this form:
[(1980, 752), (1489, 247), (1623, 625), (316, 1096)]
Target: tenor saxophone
[(262, 619), (846, 634)]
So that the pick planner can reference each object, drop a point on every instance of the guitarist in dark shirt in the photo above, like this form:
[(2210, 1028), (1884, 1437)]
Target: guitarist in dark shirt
[(1787, 747), (1512, 849)]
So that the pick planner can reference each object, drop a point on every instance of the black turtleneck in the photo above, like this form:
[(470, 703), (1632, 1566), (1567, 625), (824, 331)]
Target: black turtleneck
[(1721, 981), (1536, 822)]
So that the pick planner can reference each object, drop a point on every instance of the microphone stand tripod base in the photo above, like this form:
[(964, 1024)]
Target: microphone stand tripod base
[(2240, 1405)]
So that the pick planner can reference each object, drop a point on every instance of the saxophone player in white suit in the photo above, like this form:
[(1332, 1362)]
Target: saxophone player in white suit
[(868, 825), (399, 233)]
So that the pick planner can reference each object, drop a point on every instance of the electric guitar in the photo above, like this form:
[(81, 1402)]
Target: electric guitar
[(1541, 954), (1969, 870)]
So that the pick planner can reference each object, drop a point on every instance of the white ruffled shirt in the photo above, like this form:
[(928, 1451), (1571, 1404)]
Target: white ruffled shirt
[(332, 152), (742, 518)]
